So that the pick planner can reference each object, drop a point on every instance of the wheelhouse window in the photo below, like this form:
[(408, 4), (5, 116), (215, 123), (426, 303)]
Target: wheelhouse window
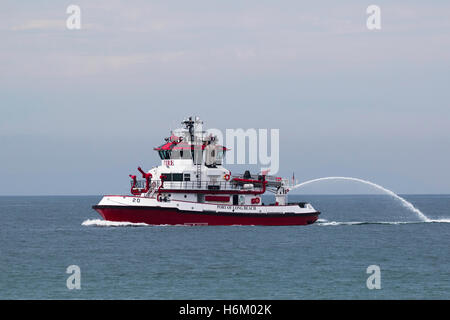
[(164, 154)]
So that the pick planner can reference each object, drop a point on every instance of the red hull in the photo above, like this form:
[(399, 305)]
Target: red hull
[(163, 216)]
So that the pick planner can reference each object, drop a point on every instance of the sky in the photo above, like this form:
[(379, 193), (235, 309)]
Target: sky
[(81, 109)]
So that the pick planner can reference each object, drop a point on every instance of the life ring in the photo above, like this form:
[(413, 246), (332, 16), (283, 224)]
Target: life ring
[(227, 177)]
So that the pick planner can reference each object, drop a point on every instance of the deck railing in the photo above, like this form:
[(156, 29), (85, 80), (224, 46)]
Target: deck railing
[(194, 185)]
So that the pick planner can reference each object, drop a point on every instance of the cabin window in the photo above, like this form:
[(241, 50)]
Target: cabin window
[(173, 176), (177, 177), (187, 177)]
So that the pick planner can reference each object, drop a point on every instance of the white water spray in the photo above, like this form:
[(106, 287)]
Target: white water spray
[(389, 192), (105, 223)]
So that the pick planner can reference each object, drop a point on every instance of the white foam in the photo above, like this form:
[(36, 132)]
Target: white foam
[(351, 223), (405, 203), (324, 222), (104, 223), (439, 220), (338, 223)]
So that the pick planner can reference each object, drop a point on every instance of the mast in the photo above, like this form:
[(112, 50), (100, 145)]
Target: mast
[(194, 127)]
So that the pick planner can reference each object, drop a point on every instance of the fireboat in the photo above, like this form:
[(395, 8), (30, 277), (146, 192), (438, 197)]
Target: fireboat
[(191, 187)]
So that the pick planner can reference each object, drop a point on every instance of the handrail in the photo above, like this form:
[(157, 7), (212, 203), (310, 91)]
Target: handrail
[(161, 185)]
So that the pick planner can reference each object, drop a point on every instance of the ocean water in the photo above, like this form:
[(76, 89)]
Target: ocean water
[(41, 236)]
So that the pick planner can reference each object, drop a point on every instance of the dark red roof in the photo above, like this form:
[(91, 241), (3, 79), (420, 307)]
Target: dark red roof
[(168, 146)]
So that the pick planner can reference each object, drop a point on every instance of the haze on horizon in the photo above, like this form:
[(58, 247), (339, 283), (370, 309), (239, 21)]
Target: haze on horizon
[(81, 109)]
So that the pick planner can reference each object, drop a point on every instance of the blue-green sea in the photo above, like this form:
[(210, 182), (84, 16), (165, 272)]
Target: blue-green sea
[(41, 236)]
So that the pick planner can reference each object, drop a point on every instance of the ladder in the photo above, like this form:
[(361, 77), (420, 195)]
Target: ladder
[(199, 175)]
